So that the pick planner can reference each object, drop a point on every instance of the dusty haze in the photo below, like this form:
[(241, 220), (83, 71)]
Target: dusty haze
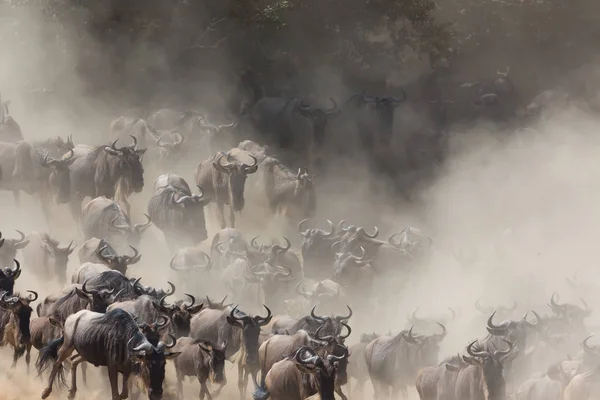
[(522, 207)]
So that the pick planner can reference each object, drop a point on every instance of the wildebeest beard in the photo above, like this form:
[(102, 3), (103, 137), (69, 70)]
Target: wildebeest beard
[(237, 182), (130, 166), (24, 317)]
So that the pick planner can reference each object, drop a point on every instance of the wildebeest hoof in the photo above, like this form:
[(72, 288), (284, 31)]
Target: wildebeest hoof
[(124, 396), (72, 394), (46, 393)]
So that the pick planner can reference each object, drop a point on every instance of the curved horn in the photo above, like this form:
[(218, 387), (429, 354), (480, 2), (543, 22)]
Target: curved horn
[(331, 229), (114, 144), (340, 318), (300, 225), (34, 296), (444, 331), (232, 313), (332, 110), (374, 235), (586, 346), (22, 239), (316, 317), (341, 226), (453, 317), (347, 329), (135, 142), (502, 354), (473, 353), (265, 320), (145, 346), (164, 322), (14, 273), (414, 316), (250, 169), (482, 309), (172, 289), (192, 300), (278, 249), (142, 227), (162, 345), (495, 329), (135, 258)]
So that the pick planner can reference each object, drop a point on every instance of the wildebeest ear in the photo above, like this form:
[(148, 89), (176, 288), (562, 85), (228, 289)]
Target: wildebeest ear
[(54, 322), (81, 294), (304, 369), (140, 152), (171, 356), (195, 309), (452, 368), (205, 346), (234, 322)]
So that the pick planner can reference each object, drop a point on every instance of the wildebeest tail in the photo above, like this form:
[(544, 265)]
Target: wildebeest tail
[(48, 356), (260, 392)]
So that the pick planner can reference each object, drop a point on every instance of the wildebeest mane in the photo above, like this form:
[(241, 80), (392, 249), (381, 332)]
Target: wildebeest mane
[(111, 334), (96, 224), (113, 279), (67, 305), (160, 206)]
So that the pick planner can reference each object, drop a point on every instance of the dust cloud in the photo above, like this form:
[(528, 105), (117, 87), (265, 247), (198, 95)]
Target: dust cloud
[(512, 213)]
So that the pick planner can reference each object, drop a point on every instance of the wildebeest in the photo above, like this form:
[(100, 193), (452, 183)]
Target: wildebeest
[(483, 377), (390, 361), (104, 218), (550, 386), (113, 340), (332, 325), (15, 315), (60, 305), (240, 331), (289, 194), (59, 180), (8, 277), (258, 151), (180, 314), (107, 171), (9, 248), (292, 124), (438, 382), (43, 331), (227, 245), (223, 179), (177, 212), (302, 376), (357, 369), (10, 131), (203, 360), (99, 251), (374, 118), (316, 250), (46, 258)]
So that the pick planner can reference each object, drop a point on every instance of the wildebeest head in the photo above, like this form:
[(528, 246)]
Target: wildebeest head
[(413, 242), (571, 313), (133, 233), (180, 314), (59, 254), (325, 293), (21, 311), (384, 110), (216, 306), (99, 300), (140, 289), (236, 173), (354, 237), (334, 345), (59, 179), (128, 163), (328, 325), (197, 266), (311, 237), (516, 332), (350, 270), (503, 311), (8, 277), (9, 248), (152, 360), (323, 370), (189, 209), (250, 327), (430, 347), (170, 148), (492, 366), (112, 260), (216, 361), (413, 319), (317, 116)]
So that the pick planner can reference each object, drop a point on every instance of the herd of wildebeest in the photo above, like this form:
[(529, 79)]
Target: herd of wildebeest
[(282, 324)]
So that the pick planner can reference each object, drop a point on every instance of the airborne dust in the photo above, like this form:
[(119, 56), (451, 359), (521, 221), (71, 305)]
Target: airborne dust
[(512, 215)]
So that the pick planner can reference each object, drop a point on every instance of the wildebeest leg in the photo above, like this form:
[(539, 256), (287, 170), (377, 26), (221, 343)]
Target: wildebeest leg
[(221, 215), (179, 383), (114, 383), (84, 373), (232, 215), (242, 380), (204, 390), (75, 361), (63, 354), (338, 390), (28, 357), (125, 391)]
